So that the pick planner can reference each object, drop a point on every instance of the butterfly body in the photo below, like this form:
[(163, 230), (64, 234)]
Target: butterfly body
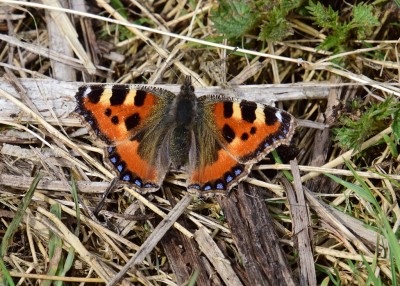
[(216, 140), (184, 116)]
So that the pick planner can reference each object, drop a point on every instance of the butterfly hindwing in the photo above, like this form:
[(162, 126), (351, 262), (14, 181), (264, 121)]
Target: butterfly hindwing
[(130, 120), (218, 176)]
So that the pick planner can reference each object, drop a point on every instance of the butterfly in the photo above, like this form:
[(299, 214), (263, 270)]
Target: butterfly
[(149, 131)]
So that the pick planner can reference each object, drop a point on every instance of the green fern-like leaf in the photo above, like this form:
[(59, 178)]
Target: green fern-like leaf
[(289, 5), (276, 27), (322, 16), (361, 23), (373, 120), (238, 17), (337, 40), (235, 18), (364, 20)]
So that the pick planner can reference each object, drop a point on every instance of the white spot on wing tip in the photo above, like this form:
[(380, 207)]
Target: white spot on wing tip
[(87, 91), (279, 116)]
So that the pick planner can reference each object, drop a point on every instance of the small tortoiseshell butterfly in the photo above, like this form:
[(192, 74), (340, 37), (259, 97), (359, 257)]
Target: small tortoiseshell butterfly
[(149, 130)]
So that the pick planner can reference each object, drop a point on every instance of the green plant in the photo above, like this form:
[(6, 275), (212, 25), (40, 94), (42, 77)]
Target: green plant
[(236, 18), (381, 221), (356, 129), (362, 20)]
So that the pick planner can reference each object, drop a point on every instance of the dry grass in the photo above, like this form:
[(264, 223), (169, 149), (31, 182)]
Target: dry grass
[(339, 228)]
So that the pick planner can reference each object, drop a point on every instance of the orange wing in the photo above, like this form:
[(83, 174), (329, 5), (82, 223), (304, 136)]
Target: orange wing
[(249, 131), (125, 117), (242, 133)]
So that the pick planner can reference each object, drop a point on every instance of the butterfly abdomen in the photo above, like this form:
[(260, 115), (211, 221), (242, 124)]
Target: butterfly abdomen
[(179, 146), (184, 120)]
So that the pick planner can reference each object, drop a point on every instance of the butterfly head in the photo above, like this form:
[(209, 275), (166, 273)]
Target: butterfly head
[(187, 89)]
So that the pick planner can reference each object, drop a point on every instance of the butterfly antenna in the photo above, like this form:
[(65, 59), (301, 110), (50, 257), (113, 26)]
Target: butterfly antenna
[(188, 80)]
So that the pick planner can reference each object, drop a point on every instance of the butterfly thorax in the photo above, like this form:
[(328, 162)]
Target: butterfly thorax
[(184, 114)]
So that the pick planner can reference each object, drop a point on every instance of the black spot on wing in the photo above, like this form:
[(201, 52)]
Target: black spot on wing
[(228, 133), (253, 130), (228, 109), (270, 115), (119, 93), (107, 112), (115, 120), (132, 121), (248, 110), (140, 97), (244, 136), (95, 94)]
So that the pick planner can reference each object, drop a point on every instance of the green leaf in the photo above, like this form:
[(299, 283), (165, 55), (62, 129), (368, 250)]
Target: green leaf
[(276, 27), (392, 145), (118, 6), (335, 40), (13, 227), (333, 278), (364, 20), (382, 221), (322, 16), (357, 189), (372, 279), (339, 31), (5, 276), (55, 250), (288, 5), (371, 121), (278, 160), (396, 126), (235, 18), (194, 277), (74, 192)]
